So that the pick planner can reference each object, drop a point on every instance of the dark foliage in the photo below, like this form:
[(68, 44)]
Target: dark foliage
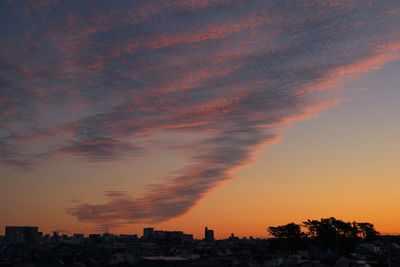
[(326, 233)]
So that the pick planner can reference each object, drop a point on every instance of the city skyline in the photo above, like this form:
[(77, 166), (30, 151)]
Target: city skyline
[(324, 242), (150, 233), (238, 115)]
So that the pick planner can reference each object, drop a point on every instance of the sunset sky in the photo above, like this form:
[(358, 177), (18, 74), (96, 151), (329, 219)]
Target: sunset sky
[(181, 114)]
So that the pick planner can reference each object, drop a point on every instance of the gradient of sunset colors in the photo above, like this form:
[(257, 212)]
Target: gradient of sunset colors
[(237, 115)]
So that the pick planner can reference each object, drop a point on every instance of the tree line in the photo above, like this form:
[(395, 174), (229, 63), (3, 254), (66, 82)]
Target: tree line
[(326, 233)]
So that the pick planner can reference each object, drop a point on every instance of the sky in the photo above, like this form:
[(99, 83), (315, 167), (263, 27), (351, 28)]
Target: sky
[(236, 115)]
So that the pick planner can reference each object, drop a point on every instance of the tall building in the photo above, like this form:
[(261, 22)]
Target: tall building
[(208, 234), (22, 234)]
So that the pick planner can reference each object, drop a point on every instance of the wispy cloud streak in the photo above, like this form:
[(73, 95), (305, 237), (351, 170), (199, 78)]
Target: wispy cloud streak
[(100, 78)]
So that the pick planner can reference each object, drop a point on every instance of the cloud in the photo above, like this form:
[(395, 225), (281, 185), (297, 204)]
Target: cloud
[(99, 148), (11, 158), (103, 80)]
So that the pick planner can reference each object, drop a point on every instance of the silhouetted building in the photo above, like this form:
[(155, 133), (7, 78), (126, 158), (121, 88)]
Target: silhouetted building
[(95, 237), (22, 234), (188, 237), (157, 235), (148, 233), (174, 236), (233, 237), (108, 237), (128, 237), (208, 234)]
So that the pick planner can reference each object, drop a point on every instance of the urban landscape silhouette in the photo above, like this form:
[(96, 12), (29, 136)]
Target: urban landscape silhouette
[(324, 242)]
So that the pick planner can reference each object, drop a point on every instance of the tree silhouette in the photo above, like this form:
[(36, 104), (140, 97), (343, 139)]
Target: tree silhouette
[(288, 231), (287, 235), (326, 233), (368, 231)]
